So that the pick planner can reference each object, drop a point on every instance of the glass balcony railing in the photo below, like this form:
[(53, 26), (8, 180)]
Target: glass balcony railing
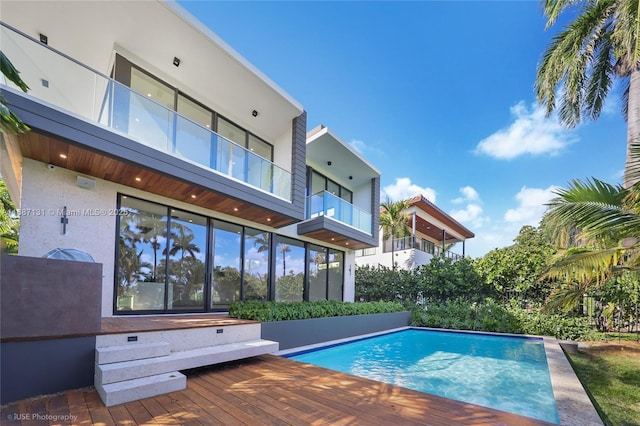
[(326, 204), (67, 84), (408, 243)]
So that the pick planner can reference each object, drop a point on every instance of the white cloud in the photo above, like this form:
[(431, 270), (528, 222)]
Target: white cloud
[(404, 189), (468, 194), (472, 215), (529, 133), (531, 206), (502, 231), (363, 148)]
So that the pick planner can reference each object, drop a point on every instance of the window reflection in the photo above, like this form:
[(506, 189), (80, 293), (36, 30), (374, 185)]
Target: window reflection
[(142, 240), (187, 258), (256, 264), (225, 278), (317, 273), (289, 270)]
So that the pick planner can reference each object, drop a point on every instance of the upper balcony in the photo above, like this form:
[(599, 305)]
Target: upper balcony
[(86, 121), (60, 81), (345, 193)]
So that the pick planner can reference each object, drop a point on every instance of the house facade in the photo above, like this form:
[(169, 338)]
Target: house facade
[(432, 233), (176, 164), (184, 173)]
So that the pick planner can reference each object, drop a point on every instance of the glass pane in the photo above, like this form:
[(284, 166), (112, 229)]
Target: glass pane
[(317, 273), (336, 274), (289, 270), (256, 264), (187, 256), (346, 195), (193, 136), (225, 285), (231, 132), (152, 88), (193, 142), (260, 147), (194, 112), (333, 188), (142, 241), (318, 183)]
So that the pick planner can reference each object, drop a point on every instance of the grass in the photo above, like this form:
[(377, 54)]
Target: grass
[(610, 372)]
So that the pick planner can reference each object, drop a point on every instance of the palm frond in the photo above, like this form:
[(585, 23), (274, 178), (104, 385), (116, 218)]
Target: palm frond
[(600, 79), (595, 208), (553, 9), (565, 297), (12, 74), (571, 58), (585, 265)]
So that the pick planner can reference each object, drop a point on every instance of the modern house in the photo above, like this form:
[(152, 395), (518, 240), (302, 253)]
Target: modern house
[(181, 169), (433, 233)]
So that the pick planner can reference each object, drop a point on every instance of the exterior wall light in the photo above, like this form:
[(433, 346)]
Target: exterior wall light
[(176, 61)]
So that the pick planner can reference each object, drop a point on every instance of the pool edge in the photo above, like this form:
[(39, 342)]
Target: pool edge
[(574, 405)]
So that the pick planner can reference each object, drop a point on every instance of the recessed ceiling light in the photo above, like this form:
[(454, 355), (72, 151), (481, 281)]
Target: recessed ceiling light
[(333, 239), (138, 179), (268, 219), (63, 155), (149, 94), (235, 209), (193, 195), (347, 243)]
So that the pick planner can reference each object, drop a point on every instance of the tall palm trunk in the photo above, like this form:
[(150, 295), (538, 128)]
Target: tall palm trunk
[(633, 124)]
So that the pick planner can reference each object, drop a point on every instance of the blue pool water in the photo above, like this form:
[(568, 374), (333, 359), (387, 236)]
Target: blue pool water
[(505, 373)]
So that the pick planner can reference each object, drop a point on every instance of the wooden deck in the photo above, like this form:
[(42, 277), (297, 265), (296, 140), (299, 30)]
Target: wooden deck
[(265, 390), (128, 324)]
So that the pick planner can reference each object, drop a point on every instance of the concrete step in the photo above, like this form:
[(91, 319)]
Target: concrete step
[(145, 387), (131, 352), (183, 360)]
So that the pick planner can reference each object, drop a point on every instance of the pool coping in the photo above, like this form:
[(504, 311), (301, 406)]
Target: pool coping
[(574, 405)]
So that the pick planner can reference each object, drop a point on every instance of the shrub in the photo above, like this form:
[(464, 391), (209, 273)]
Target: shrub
[(282, 311), (492, 317)]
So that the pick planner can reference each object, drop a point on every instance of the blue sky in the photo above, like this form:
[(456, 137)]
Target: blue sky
[(438, 95)]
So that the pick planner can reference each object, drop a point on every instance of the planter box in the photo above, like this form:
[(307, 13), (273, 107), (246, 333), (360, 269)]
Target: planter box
[(291, 334)]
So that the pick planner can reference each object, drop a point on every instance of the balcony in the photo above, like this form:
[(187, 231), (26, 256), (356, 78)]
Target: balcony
[(326, 204), (332, 219), (408, 243), (62, 82)]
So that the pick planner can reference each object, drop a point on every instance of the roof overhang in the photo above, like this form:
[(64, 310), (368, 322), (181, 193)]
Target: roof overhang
[(324, 147), (151, 34)]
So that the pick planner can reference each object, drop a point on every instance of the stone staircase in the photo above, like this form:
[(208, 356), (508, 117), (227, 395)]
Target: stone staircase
[(132, 366)]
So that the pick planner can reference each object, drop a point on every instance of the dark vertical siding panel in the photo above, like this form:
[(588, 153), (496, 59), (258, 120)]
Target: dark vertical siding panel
[(375, 207), (298, 161)]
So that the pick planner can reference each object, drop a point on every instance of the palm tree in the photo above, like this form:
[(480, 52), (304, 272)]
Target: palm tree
[(394, 222), (598, 224), (584, 59)]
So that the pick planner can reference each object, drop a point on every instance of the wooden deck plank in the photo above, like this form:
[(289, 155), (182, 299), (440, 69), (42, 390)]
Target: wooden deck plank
[(78, 407), (270, 390), (129, 324)]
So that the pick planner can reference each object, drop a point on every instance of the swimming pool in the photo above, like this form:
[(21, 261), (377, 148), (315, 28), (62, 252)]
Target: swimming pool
[(505, 373)]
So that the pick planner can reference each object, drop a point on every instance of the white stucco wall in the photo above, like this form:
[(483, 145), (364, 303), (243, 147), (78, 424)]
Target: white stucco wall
[(91, 214)]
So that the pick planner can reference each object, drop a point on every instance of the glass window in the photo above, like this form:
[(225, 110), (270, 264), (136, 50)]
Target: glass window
[(193, 139), (141, 265), (346, 195), (318, 183), (336, 274), (151, 122), (225, 285), (152, 88), (289, 269), (256, 264), (231, 131), (260, 147), (317, 272), (186, 252), (333, 188)]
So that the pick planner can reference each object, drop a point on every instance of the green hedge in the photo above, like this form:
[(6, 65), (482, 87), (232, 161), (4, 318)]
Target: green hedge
[(493, 317), (282, 311)]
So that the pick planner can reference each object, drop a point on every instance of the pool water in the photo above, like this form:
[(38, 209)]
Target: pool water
[(505, 373)]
